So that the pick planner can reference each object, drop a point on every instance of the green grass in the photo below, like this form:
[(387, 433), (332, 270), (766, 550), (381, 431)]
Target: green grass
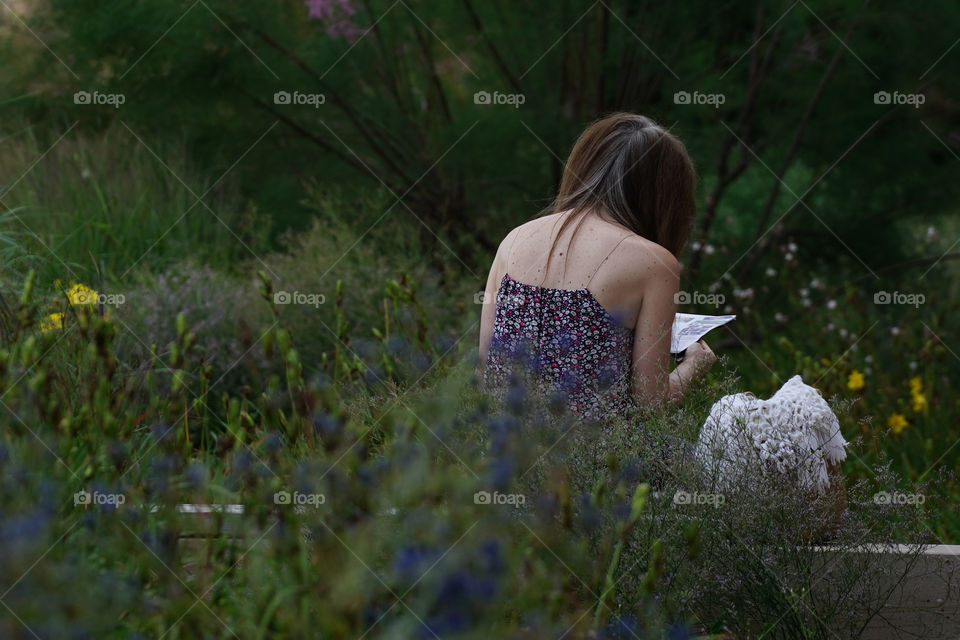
[(86, 202)]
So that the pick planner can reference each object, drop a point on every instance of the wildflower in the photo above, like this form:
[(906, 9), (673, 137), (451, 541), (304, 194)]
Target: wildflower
[(919, 400), (916, 384), (831, 304), (53, 322), (897, 423), (81, 294), (771, 272), (855, 381)]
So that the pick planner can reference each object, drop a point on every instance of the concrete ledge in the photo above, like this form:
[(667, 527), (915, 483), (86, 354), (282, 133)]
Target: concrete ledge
[(922, 589)]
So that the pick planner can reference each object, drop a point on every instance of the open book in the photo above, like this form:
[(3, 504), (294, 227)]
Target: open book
[(690, 327)]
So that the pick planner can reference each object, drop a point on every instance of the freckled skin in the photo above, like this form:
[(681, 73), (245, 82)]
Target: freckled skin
[(633, 278)]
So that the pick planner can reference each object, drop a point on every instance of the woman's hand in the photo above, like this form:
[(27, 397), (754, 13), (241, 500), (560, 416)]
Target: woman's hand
[(700, 357), (696, 361)]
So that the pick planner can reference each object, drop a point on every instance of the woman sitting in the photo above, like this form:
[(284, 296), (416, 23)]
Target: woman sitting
[(587, 290)]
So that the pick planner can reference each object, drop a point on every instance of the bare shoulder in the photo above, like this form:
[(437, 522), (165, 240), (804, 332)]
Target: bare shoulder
[(646, 259), (526, 229)]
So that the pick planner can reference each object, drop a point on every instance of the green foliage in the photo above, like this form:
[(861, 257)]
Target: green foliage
[(399, 112), (97, 206), (357, 519)]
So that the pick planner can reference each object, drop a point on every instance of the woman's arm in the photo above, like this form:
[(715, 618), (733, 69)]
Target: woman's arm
[(652, 384)]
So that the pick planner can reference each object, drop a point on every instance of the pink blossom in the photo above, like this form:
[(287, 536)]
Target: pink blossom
[(324, 9), (336, 14)]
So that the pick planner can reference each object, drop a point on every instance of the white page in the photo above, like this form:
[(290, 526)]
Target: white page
[(690, 327)]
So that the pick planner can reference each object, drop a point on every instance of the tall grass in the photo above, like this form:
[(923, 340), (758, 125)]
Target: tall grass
[(85, 202)]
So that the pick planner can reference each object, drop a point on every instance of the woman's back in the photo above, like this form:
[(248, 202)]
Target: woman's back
[(577, 257), (564, 308)]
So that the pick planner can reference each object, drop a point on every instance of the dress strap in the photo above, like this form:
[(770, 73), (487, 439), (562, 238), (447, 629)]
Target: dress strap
[(610, 253)]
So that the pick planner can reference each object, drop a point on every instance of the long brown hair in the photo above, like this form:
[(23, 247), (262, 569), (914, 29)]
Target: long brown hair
[(631, 169)]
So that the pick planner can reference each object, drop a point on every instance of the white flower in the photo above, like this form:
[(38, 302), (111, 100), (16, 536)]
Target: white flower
[(708, 249), (842, 332), (771, 272), (816, 284), (895, 331), (804, 293), (695, 246), (868, 358), (912, 365), (779, 317), (792, 247), (831, 304), (788, 256), (829, 327)]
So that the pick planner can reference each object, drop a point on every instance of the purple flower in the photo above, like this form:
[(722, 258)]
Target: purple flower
[(337, 14)]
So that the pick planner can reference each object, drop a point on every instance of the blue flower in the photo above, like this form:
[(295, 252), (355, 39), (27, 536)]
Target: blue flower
[(679, 631), (242, 461), (326, 424), (196, 474), (621, 628), (446, 623), (273, 443), (500, 473), (589, 514), (162, 431), (397, 345), (411, 560), (492, 556)]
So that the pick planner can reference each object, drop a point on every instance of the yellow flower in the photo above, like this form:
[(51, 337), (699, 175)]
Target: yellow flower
[(897, 423), (81, 294), (917, 395), (916, 385), (919, 402), (53, 322), (855, 381)]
